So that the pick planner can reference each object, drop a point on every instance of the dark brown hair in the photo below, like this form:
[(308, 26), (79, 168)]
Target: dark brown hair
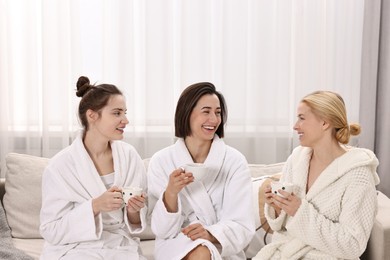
[(93, 97), (186, 103)]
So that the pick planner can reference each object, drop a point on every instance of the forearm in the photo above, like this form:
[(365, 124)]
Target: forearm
[(170, 201), (134, 218)]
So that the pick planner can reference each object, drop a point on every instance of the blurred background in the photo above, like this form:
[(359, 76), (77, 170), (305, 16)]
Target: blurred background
[(264, 56)]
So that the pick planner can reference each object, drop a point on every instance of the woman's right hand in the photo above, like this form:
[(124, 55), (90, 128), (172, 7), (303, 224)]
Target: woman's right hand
[(177, 181), (269, 199), (110, 200)]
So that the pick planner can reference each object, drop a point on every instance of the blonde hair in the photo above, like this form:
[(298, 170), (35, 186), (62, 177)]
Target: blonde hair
[(331, 107)]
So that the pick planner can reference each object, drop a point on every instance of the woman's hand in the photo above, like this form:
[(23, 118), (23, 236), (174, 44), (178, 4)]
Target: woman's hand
[(177, 181), (270, 201), (134, 206), (290, 203), (136, 203), (110, 200), (196, 230)]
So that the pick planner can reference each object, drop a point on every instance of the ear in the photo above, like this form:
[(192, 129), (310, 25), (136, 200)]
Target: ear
[(325, 125), (92, 116)]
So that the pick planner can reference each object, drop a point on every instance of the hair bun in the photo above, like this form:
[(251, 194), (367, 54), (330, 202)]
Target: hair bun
[(82, 86), (355, 129)]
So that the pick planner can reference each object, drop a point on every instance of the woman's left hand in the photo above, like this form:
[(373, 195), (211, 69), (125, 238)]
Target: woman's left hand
[(196, 230), (290, 203), (136, 203)]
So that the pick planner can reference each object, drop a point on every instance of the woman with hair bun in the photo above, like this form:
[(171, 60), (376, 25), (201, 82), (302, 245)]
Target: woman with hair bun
[(331, 211), (83, 214)]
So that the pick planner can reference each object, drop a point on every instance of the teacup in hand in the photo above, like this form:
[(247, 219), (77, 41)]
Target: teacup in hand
[(198, 170), (287, 187), (128, 192)]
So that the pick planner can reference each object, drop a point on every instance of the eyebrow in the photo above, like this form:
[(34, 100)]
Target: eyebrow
[(209, 108), (118, 109)]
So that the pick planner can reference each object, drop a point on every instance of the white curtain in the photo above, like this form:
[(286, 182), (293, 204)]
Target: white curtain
[(262, 55)]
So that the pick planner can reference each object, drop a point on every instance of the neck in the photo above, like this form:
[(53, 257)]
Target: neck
[(327, 152), (198, 149), (96, 147)]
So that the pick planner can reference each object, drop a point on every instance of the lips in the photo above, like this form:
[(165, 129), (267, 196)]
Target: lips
[(209, 127)]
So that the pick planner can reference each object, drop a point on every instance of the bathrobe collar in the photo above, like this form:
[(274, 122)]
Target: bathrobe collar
[(214, 160), (353, 158)]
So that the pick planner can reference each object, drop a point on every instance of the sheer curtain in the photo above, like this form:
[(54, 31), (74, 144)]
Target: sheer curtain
[(262, 55)]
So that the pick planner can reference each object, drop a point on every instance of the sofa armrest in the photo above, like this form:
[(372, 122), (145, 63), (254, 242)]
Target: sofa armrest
[(379, 242)]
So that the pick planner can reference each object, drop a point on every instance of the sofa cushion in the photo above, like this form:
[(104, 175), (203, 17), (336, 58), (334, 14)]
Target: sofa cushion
[(22, 199)]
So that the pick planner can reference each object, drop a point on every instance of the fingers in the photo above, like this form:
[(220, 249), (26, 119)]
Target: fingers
[(114, 189), (178, 180), (195, 231), (136, 203), (289, 203)]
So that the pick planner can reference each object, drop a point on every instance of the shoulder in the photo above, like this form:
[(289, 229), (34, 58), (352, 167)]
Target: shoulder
[(63, 156), (300, 153), (359, 161), (358, 157), (163, 153), (234, 154)]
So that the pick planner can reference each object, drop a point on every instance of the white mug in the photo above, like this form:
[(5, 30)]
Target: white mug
[(129, 192), (198, 170), (287, 187)]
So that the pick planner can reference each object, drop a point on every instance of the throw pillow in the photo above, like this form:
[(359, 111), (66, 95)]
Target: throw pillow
[(23, 197)]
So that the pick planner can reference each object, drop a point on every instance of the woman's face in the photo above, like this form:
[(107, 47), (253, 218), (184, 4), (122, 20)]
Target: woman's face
[(310, 128), (112, 120), (205, 117)]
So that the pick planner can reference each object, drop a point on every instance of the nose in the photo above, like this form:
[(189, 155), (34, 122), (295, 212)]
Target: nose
[(295, 126), (125, 120), (214, 117)]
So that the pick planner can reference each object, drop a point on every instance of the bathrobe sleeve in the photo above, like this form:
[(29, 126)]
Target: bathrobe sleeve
[(276, 223), (61, 221), (164, 224)]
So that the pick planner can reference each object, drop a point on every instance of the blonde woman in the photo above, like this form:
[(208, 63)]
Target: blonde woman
[(331, 213)]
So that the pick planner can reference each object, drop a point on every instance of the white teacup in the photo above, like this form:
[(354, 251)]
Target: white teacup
[(129, 192), (198, 170), (286, 186)]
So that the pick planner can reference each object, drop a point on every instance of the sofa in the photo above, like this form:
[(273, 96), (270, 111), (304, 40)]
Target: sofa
[(20, 193)]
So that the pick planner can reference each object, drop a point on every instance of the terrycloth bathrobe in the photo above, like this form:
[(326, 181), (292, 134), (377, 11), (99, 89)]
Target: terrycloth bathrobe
[(336, 216), (68, 224), (222, 202)]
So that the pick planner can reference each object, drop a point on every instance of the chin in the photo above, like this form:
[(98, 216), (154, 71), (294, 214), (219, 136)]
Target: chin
[(117, 137)]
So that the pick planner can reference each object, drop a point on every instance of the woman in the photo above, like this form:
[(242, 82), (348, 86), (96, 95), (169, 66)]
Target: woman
[(83, 214), (332, 211), (208, 219)]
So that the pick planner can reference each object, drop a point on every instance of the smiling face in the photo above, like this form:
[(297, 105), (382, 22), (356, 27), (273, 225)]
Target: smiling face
[(310, 127), (112, 120), (205, 117)]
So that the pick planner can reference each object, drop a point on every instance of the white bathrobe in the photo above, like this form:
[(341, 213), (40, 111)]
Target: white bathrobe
[(68, 224), (336, 216), (222, 202)]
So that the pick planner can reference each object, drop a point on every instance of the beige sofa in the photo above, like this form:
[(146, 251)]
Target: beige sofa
[(20, 193)]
